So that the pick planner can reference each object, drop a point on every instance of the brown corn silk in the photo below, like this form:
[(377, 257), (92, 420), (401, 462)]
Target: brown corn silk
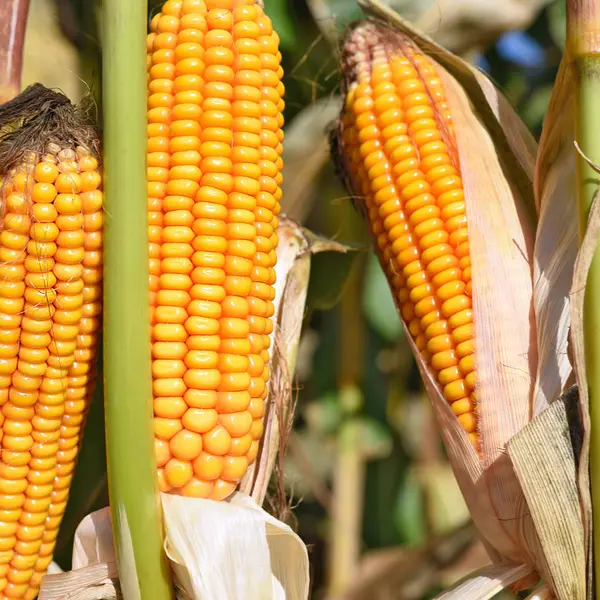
[(214, 174), (455, 239), (50, 305)]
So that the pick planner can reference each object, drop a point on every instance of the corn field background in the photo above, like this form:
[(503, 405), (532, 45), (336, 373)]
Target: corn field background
[(365, 481)]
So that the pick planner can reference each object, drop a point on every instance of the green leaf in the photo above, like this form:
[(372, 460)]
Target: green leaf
[(557, 22), (378, 303), (409, 514), (279, 13), (377, 441), (328, 276), (534, 111), (324, 415)]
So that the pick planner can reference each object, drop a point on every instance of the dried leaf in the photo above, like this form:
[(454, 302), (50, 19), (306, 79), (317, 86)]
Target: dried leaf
[(305, 154), (485, 583), (296, 246), (232, 550), (556, 241), (290, 296), (544, 460)]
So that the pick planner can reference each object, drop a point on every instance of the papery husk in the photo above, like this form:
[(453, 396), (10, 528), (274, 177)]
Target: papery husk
[(232, 549), (556, 241), (544, 455), (485, 583)]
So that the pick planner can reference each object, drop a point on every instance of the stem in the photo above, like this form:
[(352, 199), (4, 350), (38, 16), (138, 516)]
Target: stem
[(13, 21), (347, 505), (134, 498), (583, 42), (350, 468), (587, 185)]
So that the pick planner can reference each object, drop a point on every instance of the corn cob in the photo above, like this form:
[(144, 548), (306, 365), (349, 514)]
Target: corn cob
[(50, 252), (395, 140), (214, 173)]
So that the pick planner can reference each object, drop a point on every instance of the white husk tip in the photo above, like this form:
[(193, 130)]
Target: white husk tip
[(226, 550)]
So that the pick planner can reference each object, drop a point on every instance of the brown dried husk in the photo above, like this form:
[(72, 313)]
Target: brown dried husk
[(522, 248)]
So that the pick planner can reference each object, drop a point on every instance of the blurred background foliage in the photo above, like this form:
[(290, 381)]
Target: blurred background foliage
[(371, 491)]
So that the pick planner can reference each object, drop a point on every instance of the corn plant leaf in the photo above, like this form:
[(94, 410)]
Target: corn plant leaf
[(485, 583), (556, 241), (544, 460), (378, 303)]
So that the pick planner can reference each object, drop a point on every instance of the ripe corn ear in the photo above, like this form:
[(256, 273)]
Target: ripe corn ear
[(396, 147), (50, 304), (215, 102)]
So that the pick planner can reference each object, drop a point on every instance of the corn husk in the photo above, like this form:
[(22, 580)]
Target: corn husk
[(523, 245), (231, 549)]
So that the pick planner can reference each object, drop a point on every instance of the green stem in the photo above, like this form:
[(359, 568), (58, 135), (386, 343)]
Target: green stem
[(583, 46), (587, 120), (134, 498)]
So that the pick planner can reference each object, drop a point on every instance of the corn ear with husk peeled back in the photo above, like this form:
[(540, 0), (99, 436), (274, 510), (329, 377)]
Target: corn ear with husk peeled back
[(50, 304), (442, 170)]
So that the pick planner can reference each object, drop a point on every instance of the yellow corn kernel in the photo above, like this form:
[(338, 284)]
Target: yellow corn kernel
[(214, 174), (396, 144)]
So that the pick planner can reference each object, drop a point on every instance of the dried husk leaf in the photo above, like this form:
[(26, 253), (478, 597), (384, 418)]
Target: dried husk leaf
[(232, 550), (296, 246), (556, 241), (292, 271), (485, 583), (226, 550), (544, 457)]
